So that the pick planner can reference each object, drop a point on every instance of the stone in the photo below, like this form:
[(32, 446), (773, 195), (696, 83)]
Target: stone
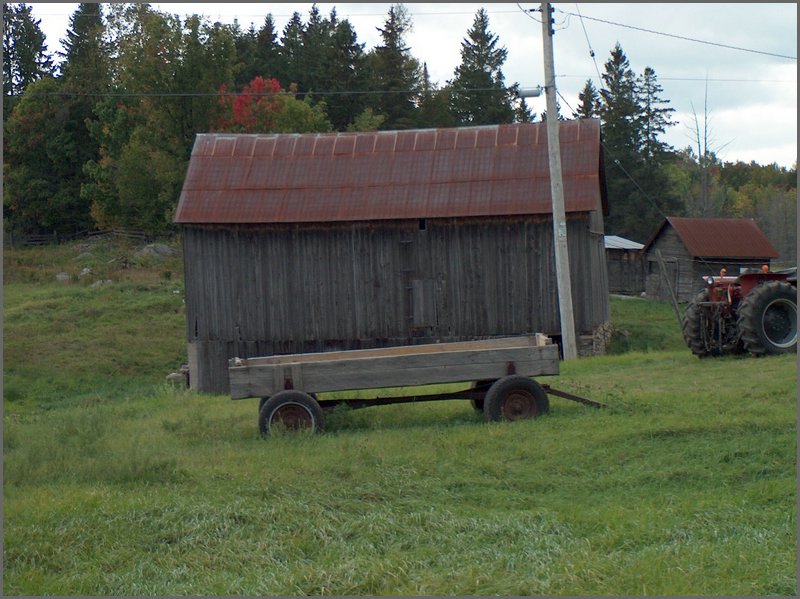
[(156, 249)]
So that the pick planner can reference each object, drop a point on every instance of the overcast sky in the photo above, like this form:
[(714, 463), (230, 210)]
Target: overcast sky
[(742, 55)]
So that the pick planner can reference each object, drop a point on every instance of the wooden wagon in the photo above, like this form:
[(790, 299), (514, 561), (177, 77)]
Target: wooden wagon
[(499, 371)]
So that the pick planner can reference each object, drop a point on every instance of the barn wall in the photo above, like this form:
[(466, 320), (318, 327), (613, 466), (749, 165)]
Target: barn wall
[(626, 271), (678, 264), (277, 289)]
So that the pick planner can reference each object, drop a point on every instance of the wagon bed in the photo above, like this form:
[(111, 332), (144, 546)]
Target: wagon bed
[(499, 369)]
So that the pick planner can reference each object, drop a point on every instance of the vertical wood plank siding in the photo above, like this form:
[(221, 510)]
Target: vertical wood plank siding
[(274, 289), (626, 271)]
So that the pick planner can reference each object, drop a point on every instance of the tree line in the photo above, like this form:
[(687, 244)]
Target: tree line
[(100, 134)]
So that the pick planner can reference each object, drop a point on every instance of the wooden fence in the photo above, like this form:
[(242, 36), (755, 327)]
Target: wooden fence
[(16, 240)]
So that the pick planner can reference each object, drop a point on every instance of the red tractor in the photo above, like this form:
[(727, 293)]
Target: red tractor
[(754, 312)]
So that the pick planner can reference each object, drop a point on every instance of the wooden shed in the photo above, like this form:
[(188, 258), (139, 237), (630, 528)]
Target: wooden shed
[(625, 263), (695, 247), (319, 242)]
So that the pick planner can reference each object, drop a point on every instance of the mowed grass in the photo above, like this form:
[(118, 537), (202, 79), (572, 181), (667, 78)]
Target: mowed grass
[(117, 484)]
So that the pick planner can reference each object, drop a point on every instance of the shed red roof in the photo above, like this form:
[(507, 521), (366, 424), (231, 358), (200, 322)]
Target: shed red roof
[(719, 237), (424, 173)]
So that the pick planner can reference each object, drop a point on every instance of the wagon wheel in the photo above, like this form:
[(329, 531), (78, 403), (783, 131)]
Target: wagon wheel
[(515, 397), (290, 411)]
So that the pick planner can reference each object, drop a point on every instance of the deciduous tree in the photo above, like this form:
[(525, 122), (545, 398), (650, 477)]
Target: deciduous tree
[(42, 164), (264, 107)]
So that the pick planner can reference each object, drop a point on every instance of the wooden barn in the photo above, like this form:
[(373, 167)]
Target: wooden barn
[(625, 263), (318, 242), (695, 247)]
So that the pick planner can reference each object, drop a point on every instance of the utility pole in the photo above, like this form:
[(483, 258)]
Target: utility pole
[(568, 345)]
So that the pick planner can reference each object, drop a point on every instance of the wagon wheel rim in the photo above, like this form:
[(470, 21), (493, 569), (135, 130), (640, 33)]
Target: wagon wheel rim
[(293, 417), (779, 323), (519, 405)]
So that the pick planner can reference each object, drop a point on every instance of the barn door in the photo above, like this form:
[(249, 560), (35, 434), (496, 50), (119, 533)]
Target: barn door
[(421, 313), (423, 304)]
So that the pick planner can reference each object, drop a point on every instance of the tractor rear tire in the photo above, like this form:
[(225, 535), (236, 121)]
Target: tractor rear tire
[(768, 319), (692, 326)]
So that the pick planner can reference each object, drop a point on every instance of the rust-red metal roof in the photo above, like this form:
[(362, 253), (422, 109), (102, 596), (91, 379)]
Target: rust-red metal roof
[(719, 237), (423, 173)]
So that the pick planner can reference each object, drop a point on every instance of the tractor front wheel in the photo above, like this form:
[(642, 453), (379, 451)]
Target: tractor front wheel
[(694, 326), (768, 319)]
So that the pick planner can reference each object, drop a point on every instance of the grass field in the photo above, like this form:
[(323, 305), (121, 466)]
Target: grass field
[(116, 483)]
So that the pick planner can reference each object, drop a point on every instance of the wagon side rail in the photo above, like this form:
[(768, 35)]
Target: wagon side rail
[(375, 369)]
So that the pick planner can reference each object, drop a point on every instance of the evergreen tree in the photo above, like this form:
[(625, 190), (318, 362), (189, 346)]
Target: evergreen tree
[(655, 115), (207, 62), (25, 55), (479, 93), (346, 73), (589, 102), (543, 115), (331, 60), (315, 43), (85, 77), (86, 54), (395, 74), (621, 136), (637, 162), (434, 104), (523, 114), (619, 107), (257, 53), (266, 55), (245, 43), (291, 52)]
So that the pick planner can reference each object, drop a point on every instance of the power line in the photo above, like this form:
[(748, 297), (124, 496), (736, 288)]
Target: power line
[(588, 43), (70, 94), (289, 16), (681, 37), (528, 14), (714, 80), (110, 94)]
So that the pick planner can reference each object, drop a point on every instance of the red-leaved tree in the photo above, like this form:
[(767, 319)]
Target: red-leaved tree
[(253, 110), (264, 107)]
